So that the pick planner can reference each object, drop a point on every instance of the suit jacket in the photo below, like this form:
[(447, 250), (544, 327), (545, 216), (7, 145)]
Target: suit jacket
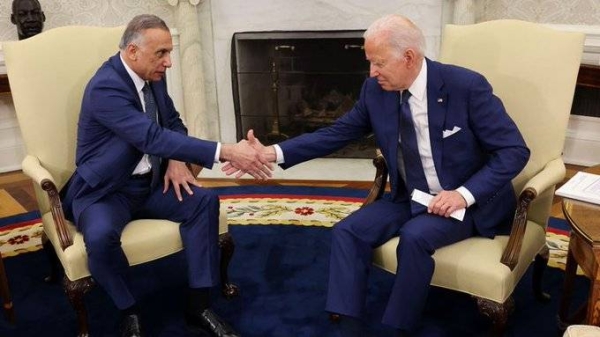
[(483, 156), (114, 133)]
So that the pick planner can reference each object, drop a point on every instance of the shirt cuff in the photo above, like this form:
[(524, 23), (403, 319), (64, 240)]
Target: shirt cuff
[(217, 153), (279, 154), (467, 195)]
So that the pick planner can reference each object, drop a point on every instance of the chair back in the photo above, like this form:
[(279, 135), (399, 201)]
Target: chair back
[(48, 74), (533, 69)]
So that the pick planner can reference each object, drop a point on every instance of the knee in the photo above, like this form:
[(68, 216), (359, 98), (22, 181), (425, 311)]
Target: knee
[(203, 197), (414, 240), (99, 243)]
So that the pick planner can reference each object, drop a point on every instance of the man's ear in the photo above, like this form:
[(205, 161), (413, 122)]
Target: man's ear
[(410, 56), (131, 52), (43, 17), (12, 19)]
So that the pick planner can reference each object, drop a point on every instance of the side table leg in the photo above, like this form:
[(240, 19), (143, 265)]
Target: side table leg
[(5, 293), (593, 312), (565, 301)]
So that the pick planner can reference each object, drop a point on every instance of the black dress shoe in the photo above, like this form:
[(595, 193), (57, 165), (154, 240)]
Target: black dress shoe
[(207, 321), (130, 326)]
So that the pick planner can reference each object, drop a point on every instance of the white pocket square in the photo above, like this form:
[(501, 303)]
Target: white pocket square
[(448, 133)]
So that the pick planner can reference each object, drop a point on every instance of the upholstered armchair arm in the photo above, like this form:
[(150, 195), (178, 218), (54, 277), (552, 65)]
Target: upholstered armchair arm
[(380, 180), (32, 167), (548, 177), (552, 174)]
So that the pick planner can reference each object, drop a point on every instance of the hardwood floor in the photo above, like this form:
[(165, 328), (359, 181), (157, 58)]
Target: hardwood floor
[(20, 187)]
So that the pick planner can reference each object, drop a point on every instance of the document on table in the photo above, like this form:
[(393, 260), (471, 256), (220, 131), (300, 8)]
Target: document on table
[(583, 186), (424, 199)]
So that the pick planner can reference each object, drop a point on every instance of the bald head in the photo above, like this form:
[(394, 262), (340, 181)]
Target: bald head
[(28, 16)]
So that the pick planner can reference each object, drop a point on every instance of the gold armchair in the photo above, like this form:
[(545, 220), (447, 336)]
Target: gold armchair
[(533, 69), (47, 74)]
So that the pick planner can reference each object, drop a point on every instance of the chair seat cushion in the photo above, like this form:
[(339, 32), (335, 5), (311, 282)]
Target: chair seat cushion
[(142, 240), (473, 266)]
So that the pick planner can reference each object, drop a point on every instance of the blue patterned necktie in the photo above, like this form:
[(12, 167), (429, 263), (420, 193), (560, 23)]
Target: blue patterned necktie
[(152, 113), (413, 167)]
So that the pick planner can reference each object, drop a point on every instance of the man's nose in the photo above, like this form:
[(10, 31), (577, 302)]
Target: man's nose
[(168, 62), (373, 71)]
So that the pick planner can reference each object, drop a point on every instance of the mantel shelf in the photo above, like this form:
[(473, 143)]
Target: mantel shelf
[(589, 76)]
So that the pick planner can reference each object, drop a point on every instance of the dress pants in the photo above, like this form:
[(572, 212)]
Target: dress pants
[(355, 237), (103, 222)]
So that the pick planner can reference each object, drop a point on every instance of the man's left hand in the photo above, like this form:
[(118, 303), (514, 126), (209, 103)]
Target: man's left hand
[(446, 202), (179, 176)]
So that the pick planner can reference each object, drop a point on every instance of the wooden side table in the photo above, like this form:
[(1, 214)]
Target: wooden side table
[(584, 250)]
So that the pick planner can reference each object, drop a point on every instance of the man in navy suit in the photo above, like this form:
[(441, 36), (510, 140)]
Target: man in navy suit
[(127, 126), (441, 131)]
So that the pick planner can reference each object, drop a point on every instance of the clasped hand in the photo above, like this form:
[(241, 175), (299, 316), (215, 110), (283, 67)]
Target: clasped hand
[(446, 202), (247, 156)]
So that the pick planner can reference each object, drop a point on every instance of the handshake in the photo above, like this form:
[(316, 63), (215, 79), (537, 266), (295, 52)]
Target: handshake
[(248, 156)]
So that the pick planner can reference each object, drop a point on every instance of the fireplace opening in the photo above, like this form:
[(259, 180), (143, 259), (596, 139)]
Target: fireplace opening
[(289, 83)]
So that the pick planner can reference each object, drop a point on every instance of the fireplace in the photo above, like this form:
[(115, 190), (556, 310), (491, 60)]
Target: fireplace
[(289, 83)]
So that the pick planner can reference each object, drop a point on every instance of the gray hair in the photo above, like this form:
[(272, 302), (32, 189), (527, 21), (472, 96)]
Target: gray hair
[(398, 32), (137, 25)]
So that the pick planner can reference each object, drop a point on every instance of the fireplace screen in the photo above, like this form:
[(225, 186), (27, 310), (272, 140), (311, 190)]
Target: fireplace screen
[(289, 83)]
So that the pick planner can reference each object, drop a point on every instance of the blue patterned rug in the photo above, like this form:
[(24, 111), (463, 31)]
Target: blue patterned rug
[(282, 273)]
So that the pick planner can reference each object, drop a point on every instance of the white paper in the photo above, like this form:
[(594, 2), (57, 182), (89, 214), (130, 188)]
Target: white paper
[(582, 186), (424, 199)]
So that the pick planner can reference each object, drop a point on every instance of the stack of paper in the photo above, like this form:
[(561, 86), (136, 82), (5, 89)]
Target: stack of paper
[(583, 186)]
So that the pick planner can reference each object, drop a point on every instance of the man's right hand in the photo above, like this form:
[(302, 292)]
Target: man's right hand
[(265, 154)]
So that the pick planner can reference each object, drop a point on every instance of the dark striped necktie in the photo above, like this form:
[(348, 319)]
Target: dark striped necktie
[(152, 113), (413, 167)]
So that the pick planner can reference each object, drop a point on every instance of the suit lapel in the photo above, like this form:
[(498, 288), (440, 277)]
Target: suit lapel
[(390, 120), (386, 113), (436, 112), (120, 68), (154, 86)]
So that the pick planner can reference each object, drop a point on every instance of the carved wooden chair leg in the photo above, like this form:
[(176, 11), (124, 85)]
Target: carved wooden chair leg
[(227, 246), (539, 267), (7, 303), (55, 268), (497, 312), (75, 291)]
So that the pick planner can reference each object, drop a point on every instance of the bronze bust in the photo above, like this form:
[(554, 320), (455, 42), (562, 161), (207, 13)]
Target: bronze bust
[(28, 16)]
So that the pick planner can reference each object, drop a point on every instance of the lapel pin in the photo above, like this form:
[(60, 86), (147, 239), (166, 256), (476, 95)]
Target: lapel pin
[(440, 100)]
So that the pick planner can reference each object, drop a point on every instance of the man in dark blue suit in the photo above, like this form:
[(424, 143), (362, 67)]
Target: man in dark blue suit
[(128, 125), (443, 132)]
